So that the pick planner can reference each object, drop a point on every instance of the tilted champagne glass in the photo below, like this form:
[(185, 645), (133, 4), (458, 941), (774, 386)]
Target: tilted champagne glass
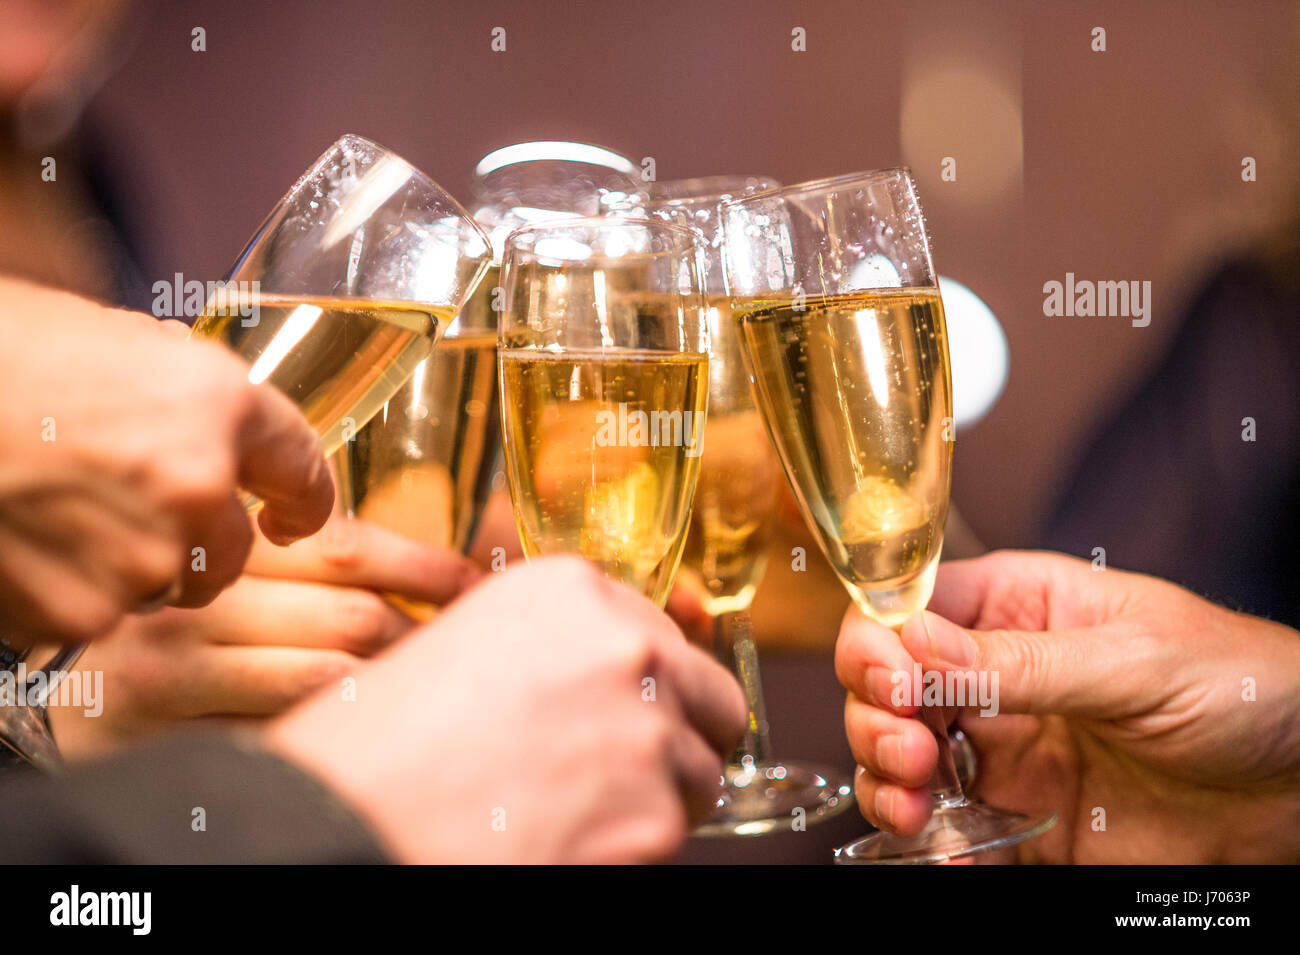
[(340, 293), (842, 329), (423, 466), (736, 500), (604, 386), (348, 284)]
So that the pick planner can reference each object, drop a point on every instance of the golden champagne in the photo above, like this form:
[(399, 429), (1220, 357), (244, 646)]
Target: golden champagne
[(739, 485), (602, 452), (735, 497), (422, 466), (857, 394), (338, 359)]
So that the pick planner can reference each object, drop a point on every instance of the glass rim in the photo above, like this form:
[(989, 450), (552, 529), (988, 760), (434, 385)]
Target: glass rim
[(591, 149), (515, 257), (584, 223), (827, 183), (712, 188), (423, 177)]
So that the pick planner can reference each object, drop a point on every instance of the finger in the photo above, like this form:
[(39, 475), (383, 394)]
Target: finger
[(708, 693), (710, 697), (889, 806), (249, 681), (1071, 671), (687, 610), (216, 557), (230, 721), (872, 664), (699, 775), (360, 554), (892, 748), (48, 599), (78, 558), (261, 611), (1022, 590), (281, 461)]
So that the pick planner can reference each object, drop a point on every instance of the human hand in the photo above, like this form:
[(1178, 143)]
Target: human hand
[(1117, 691), (520, 727), (121, 447), (300, 618)]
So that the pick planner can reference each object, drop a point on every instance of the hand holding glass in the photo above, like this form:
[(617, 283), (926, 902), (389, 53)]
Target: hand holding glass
[(843, 332)]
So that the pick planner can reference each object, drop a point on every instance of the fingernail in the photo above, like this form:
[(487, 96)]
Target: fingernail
[(884, 804), (889, 754), (948, 642)]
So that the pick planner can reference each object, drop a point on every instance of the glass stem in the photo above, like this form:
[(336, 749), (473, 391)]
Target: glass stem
[(944, 784), (733, 644), (55, 670), (42, 684)]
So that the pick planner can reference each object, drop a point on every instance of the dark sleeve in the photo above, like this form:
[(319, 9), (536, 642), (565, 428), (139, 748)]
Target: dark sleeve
[(142, 808), (1170, 487)]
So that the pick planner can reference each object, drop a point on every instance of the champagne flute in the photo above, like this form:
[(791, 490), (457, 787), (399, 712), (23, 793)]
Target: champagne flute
[(842, 330), (426, 463), (526, 183), (736, 500), (603, 355), (423, 466), (532, 182), (340, 293), (348, 284)]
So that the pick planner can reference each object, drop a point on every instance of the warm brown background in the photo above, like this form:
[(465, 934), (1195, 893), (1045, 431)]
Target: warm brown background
[(1130, 166), (1119, 165)]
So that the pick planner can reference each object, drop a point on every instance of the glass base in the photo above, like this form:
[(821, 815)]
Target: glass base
[(953, 832), (761, 797), (24, 736)]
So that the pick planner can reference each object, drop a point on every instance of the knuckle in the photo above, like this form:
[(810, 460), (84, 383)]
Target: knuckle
[(574, 572), (155, 564), (198, 482), (667, 828), (92, 614), (652, 742), (364, 619), (325, 668), (342, 544), (218, 394), (153, 684), (1032, 659), (665, 832), (218, 381), (634, 656)]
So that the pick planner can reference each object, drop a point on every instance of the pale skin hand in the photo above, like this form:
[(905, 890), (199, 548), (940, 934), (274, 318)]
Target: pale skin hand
[(121, 448), (1117, 691), (301, 618), (527, 696), (497, 540)]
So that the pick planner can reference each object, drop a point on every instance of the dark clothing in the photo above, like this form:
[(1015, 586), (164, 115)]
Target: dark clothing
[(140, 808), (1174, 486)]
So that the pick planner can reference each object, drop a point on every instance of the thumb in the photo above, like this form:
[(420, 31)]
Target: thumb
[(1072, 672)]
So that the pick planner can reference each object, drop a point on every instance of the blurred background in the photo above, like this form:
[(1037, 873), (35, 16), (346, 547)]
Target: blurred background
[(1122, 164)]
